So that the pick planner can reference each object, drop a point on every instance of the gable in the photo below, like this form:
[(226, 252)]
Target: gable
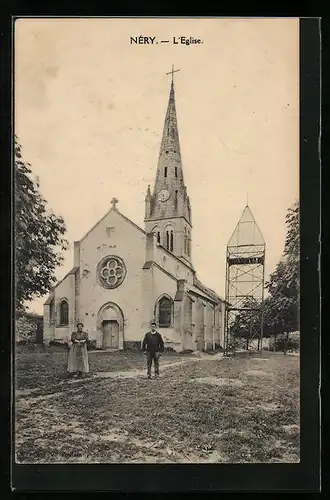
[(112, 226), (113, 235), (111, 214)]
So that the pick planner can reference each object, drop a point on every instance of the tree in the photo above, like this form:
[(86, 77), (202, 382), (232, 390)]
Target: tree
[(283, 284), (39, 237), (284, 304), (247, 323), (292, 250), (292, 243)]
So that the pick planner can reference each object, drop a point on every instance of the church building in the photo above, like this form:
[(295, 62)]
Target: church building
[(124, 276)]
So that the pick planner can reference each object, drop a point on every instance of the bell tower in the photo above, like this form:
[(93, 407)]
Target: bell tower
[(167, 207)]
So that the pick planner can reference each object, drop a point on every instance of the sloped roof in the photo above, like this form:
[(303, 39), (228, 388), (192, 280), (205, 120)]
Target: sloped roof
[(208, 291), (72, 271), (112, 209), (247, 232), (49, 299), (51, 295), (178, 259)]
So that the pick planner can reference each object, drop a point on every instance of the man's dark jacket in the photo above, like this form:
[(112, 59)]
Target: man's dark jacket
[(153, 342)]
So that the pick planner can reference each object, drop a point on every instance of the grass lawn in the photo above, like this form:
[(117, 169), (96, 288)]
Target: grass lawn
[(41, 367), (213, 409)]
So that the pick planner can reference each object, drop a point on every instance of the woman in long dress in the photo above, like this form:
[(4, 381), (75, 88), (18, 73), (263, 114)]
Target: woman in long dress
[(78, 355)]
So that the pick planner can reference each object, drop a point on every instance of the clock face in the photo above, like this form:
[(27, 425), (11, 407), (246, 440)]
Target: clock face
[(163, 195)]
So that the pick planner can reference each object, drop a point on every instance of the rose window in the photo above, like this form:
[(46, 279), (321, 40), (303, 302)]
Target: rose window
[(111, 272)]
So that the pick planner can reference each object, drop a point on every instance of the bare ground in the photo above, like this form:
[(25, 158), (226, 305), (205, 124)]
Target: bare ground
[(202, 409)]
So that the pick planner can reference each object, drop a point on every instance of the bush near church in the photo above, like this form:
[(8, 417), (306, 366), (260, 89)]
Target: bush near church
[(293, 342), (28, 328)]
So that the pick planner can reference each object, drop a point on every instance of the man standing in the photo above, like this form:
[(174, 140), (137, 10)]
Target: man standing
[(153, 347)]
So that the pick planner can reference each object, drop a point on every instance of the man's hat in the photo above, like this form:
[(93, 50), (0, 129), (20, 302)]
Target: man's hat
[(153, 323), (80, 323)]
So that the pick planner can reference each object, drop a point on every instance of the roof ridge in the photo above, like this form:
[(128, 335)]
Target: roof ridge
[(112, 209)]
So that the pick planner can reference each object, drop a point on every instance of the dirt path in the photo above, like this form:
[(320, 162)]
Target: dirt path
[(123, 374), (113, 374), (139, 373), (209, 413), (147, 450), (142, 373)]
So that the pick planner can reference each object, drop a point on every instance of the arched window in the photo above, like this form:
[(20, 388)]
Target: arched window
[(64, 313), (176, 171), (171, 241), (165, 306), (165, 172), (167, 235), (185, 246), (156, 232), (189, 244)]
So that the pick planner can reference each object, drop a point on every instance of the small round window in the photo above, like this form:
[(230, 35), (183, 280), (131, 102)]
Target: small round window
[(111, 271)]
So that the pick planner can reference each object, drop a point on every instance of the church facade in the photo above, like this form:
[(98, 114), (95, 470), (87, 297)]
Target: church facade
[(124, 276)]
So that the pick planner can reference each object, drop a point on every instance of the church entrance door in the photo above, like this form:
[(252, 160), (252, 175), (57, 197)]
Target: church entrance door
[(110, 326), (110, 330)]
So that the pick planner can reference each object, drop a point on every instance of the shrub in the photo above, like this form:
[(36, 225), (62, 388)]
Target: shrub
[(293, 342), (169, 349), (57, 343), (28, 328), (132, 346), (91, 344)]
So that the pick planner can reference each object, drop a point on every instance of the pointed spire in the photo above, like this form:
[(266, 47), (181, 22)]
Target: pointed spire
[(172, 92), (247, 231), (172, 73), (169, 176), (170, 131)]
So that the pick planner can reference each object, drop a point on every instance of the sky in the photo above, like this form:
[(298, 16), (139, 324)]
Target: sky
[(90, 108)]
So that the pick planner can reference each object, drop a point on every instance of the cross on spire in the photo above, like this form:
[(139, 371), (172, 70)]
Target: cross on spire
[(172, 72), (114, 201)]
